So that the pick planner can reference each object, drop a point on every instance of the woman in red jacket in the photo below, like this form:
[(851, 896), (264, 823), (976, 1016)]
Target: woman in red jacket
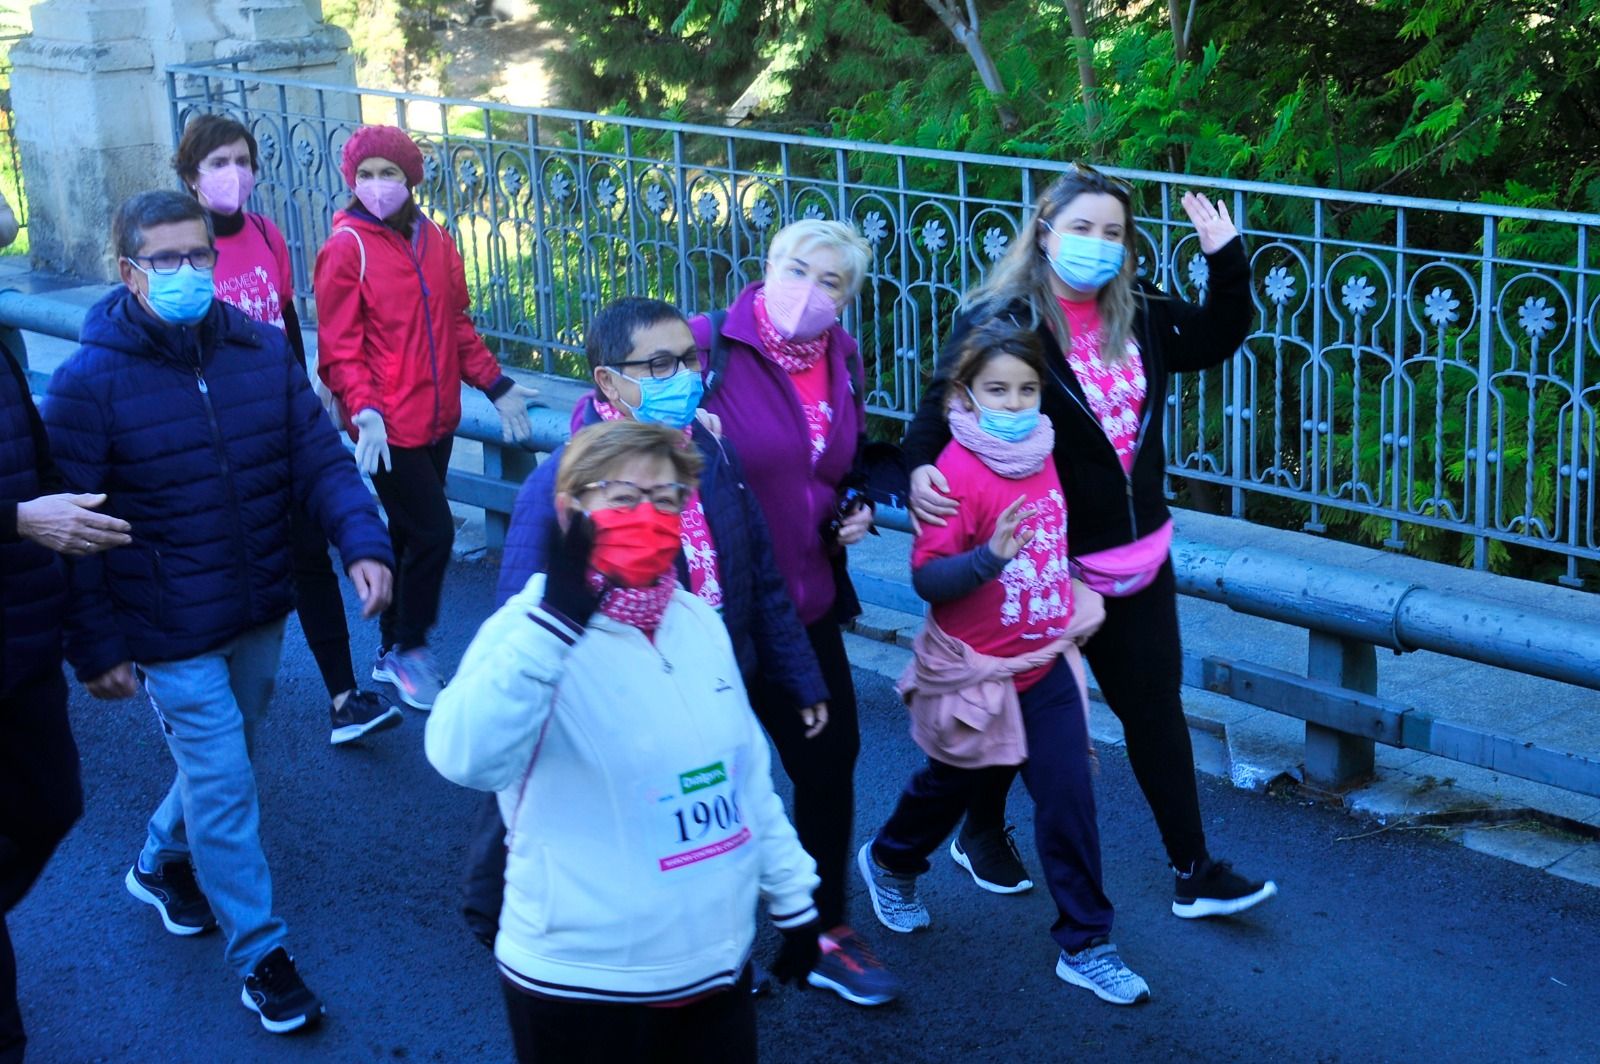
[(394, 342)]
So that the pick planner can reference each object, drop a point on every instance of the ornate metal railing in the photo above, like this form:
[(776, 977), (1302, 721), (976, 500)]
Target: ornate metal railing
[(1417, 366)]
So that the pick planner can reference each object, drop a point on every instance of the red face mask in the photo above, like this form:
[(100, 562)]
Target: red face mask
[(635, 547)]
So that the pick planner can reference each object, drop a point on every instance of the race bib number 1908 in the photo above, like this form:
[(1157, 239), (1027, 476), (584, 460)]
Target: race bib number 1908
[(698, 817)]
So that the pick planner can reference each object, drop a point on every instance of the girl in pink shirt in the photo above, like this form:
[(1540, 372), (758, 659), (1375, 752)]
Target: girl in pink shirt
[(996, 575)]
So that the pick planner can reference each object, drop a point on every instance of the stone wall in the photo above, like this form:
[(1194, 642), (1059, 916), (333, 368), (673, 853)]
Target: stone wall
[(89, 89)]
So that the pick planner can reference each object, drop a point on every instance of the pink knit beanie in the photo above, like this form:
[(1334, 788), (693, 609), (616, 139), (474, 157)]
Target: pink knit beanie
[(384, 142)]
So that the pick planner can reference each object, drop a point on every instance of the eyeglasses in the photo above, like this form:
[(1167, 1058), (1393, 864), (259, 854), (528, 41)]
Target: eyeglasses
[(660, 367), (626, 495), (1089, 173), (168, 262)]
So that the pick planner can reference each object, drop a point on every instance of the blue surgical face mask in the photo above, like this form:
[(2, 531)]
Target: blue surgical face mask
[(669, 401), (180, 298), (1087, 263), (1012, 426)]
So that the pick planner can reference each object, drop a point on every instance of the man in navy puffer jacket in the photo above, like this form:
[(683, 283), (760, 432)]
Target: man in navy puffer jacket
[(203, 431)]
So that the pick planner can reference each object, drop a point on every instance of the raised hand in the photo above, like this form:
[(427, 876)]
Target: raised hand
[(1007, 541), (1211, 221), (566, 585)]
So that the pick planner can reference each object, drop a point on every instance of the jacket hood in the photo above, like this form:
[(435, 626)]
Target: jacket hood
[(118, 321)]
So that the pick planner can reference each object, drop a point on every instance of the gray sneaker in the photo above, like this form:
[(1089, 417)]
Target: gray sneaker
[(1099, 969), (415, 677), (894, 897)]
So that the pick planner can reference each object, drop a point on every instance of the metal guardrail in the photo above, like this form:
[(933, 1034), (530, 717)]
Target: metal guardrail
[(1347, 613), (1417, 364)]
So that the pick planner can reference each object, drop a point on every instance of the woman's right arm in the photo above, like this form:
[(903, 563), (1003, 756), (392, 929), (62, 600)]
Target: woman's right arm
[(341, 325), (487, 722)]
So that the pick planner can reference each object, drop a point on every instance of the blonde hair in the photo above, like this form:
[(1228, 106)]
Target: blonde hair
[(1024, 274), (816, 232), (599, 451)]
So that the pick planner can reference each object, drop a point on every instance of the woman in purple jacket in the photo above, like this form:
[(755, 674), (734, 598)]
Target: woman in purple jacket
[(789, 400)]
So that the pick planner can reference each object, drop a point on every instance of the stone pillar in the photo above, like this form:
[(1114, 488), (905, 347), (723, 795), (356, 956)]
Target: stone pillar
[(94, 124)]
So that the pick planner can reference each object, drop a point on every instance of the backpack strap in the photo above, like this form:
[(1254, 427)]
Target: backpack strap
[(359, 244), (717, 358)]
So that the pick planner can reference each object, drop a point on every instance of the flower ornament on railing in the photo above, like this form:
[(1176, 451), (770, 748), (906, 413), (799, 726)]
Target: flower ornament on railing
[(605, 194), (304, 154), (707, 207), (511, 181), (1439, 306), (267, 146), (1143, 267), (1199, 272), (873, 227), (430, 168), (1536, 318), (560, 187), (467, 174), (995, 243), (812, 213), (933, 235), (655, 199), (1357, 295), (761, 214), (1279, 285)]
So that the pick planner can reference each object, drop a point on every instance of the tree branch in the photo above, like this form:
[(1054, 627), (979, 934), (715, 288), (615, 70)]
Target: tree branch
[(1085, 49), (964, 28)]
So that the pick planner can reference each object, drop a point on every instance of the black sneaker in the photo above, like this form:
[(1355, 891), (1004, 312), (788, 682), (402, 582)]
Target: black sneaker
[(276, 993), (992, 859), (176, 895), (363, 712), (1213, 888)]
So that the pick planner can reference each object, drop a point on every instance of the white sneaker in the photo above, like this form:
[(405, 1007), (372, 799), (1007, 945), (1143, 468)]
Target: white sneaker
[(1099, 969), (894, 896)]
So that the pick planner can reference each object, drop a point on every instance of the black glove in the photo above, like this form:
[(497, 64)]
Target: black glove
[(566, 585), (798, 954)]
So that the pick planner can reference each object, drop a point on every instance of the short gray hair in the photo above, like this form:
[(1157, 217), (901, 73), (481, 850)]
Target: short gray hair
[(799, 237), (146, 209)]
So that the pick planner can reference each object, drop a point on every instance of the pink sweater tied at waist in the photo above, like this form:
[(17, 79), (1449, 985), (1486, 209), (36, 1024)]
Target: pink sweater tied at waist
[(964, 706)]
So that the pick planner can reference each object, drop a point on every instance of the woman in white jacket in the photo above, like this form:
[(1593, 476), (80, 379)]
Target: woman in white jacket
[(604, 705)]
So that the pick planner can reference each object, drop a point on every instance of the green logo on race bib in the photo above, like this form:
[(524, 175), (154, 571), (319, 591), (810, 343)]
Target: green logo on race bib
[(701, 778)]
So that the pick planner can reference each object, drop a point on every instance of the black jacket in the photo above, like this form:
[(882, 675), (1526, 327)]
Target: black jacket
[(33, 582), (1107, 507)]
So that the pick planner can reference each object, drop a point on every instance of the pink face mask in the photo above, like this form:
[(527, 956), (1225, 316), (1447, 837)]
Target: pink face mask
[(382, 196), (224, 190), (799, 308)]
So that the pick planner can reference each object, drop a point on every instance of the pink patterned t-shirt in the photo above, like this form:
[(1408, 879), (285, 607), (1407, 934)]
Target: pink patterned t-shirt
[(812, 385), (253, 271), (1115, 392)]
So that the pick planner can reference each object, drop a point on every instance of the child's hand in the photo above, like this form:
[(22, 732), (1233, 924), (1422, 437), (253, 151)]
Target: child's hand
[(1006, 541)]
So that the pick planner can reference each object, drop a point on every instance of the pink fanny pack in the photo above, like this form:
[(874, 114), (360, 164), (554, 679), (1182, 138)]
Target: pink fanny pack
[(1128, 569)]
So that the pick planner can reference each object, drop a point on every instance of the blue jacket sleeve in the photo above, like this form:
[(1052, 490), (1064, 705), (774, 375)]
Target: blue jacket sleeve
[(325, 479), (531, 532), (79, 430), (956, 576), (782, 648)]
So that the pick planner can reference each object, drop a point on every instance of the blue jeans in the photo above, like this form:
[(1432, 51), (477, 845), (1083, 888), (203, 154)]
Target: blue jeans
[(209, 707)]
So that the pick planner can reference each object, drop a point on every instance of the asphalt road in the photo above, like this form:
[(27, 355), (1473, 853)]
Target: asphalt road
[(1382, 946)]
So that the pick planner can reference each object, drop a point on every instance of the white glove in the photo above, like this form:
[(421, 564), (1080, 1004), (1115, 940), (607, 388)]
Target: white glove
[(513, 410), (372, 442), (330, 402)]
